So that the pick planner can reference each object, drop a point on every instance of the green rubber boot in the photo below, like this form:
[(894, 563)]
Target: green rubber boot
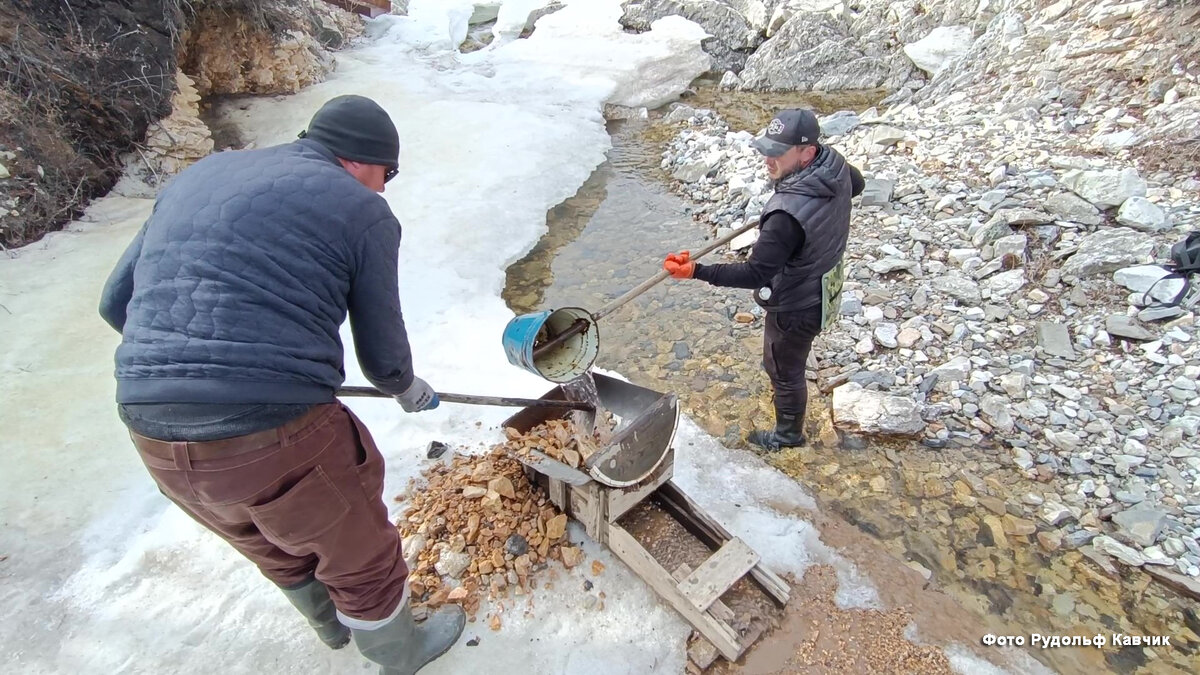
[(401, 647), (312, 599)]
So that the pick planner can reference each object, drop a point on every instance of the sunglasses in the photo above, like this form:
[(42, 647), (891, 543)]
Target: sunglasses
[(391, 173)]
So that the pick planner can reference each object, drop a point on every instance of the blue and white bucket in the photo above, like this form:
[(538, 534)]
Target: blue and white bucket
[(569, 360)]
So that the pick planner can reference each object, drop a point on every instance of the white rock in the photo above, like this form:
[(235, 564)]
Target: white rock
[(1140, 278), (692, 171), (885, 135), (875, 412), (954, 370), (995, 411), (1120, 551), (680, 113), (1070, 207), (1108, 15), (452, 564), (1116, 141), (412, 547), (4, 172), (1142, 214), (1063, 440), (744, 240), (1155, 556), (958, 256), (886, 334), (958, 287), (839, 123), (1108, 188), (1109, 250), (877, 191), (892, 264), (943, 44), (1053, 513), (1014, 244), (864, 346), (1006, 283), (908, 338), (1015, 385), (1055, 11)]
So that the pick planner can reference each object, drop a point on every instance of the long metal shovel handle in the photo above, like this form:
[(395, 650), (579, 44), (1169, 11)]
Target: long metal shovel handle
[(658, 278), (469, 399)]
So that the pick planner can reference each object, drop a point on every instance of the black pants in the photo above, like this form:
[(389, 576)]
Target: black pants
[(787, 341)]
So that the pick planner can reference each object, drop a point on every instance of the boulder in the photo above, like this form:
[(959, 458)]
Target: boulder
[(1141, 525), (954, 370), (1109, 250), (839, 123), (1105, 189), (732, 36), (1073, 208), (1055, 339), (816, 52), (877, 192), (943, 44), (873, 412), (1122, 326), (1142, 214), (1142, 278), (958, 287)]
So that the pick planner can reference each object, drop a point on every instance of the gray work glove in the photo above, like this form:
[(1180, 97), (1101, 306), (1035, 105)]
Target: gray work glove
[(419, 396)]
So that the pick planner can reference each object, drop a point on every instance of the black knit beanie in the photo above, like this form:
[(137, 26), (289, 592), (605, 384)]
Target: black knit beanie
[(358, 129)]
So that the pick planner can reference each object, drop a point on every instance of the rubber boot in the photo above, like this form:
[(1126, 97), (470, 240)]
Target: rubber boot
[(788, 433), (401, 647), (312, 599)]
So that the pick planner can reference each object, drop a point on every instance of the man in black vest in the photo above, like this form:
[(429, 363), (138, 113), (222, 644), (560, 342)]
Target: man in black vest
[(796, 266)]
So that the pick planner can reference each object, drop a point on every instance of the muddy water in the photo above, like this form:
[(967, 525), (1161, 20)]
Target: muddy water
[(953, 514)]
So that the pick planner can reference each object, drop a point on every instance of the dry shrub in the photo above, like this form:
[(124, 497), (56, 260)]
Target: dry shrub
[(80, 81)]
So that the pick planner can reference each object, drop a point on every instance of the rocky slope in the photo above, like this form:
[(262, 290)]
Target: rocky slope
[(91, 88), (998, 269), (1032, 59), (80, 83)]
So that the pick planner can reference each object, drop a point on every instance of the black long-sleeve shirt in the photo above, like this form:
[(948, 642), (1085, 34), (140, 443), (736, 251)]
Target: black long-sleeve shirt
[(779, 239)]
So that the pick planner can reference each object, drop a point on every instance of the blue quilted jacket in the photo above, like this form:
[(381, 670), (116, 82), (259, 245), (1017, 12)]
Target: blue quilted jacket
[(234, 289)]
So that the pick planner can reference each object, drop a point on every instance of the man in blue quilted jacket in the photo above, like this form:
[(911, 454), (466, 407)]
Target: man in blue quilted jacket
[(229, 302)]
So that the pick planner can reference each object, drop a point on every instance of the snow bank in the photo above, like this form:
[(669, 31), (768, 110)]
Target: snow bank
[(584, 45)]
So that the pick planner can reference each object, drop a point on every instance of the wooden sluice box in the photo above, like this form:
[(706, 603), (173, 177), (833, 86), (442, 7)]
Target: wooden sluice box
[(634, 470)]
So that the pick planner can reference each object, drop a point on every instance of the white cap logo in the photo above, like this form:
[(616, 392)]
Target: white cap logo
[(775, 127)]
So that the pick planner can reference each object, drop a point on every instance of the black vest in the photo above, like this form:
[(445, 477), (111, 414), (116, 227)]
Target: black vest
[(818, 198)]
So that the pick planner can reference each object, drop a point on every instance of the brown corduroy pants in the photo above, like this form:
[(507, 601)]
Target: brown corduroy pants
[(299, 500)]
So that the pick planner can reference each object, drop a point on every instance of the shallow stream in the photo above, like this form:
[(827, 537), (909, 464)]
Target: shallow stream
[(945, 511)]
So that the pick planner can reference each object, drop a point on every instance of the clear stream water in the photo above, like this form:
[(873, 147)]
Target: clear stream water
[(682, 337)]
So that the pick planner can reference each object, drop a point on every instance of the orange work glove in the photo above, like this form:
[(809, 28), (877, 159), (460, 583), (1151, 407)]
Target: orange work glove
[(680, 265)]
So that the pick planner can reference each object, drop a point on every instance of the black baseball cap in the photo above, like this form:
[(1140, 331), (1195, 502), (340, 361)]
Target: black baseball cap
[(794, 126), (358, 129)]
